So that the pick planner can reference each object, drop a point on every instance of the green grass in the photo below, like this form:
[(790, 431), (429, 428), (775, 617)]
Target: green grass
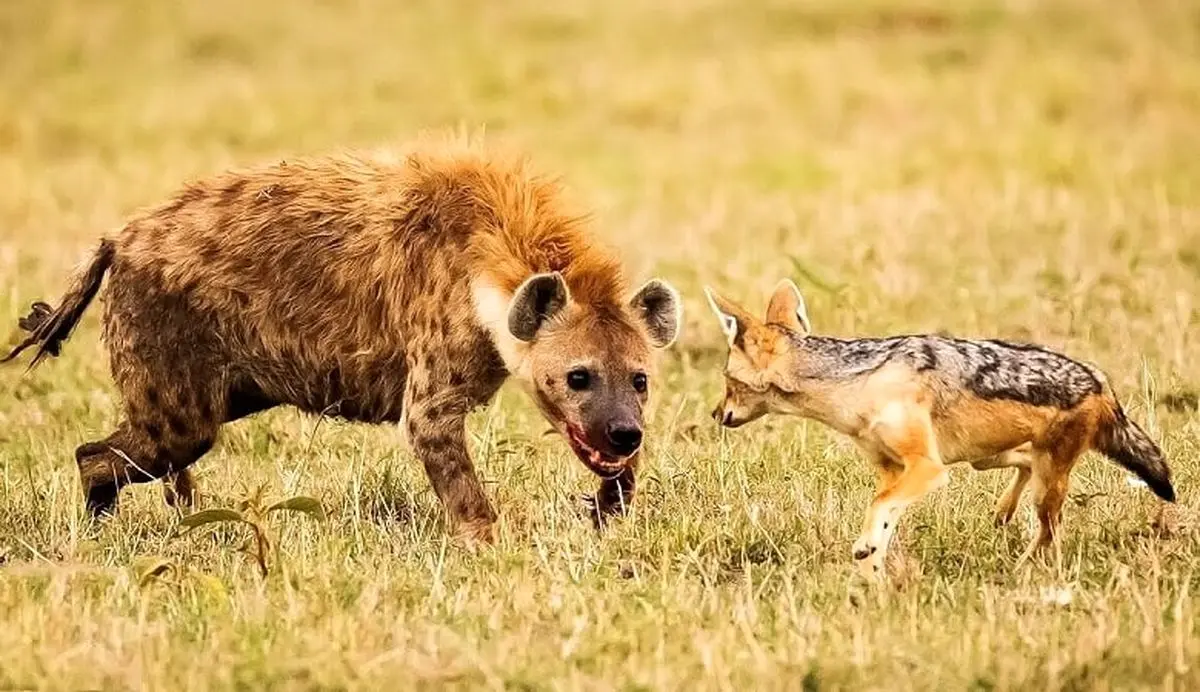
[(989, 168)]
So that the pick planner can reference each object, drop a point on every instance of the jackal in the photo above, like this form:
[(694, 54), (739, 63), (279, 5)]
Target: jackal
[(379, 287), (916, 403)]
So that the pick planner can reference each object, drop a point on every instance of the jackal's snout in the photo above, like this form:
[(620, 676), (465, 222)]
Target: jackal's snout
[(726, 416)]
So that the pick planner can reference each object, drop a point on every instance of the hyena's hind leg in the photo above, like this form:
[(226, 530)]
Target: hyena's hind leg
[(165, 431), (137, 453), (1020, 458), (179, 487)]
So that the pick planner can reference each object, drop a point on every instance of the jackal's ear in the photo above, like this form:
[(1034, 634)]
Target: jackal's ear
[(734, 320), (659, 307), (787, 308), (536, 300)]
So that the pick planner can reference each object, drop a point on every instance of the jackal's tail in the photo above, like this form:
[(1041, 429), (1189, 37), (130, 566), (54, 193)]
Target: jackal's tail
[(49, 328), (1121, 440)]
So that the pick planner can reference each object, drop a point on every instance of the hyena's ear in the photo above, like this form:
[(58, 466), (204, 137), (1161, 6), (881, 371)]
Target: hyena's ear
[(734, 320), (659, 307), (538, 299), (787, 309)]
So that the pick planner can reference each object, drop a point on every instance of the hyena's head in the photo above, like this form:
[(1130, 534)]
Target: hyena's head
[(589, 367), (761, 352)]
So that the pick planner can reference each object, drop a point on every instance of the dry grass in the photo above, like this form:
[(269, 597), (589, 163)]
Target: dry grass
[(992, 168)]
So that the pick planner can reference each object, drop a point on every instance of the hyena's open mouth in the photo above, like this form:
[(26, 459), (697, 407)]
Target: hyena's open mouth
[(598, 462)]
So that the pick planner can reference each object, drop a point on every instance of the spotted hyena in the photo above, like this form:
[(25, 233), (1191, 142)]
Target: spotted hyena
[(378, 288)]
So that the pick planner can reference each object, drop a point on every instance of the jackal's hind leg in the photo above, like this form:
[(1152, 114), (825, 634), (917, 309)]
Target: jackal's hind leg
[(1020, 458), (1051, 481)]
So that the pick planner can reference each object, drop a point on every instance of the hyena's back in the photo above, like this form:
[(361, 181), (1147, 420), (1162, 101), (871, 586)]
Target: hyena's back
[(301, 283)]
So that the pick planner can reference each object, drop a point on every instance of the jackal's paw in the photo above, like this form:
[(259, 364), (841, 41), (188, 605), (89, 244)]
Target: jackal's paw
[(1002, 516), (869, 559), (863, 549)]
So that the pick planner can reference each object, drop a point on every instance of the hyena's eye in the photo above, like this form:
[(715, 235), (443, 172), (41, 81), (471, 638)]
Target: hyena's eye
[(639, 382), (579, 379)]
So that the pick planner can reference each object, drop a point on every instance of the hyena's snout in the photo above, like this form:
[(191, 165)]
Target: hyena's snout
[(624, 437)]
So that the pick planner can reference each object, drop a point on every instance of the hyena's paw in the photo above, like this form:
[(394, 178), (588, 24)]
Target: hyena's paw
[(599, 512), (475, 535), (179, 490)]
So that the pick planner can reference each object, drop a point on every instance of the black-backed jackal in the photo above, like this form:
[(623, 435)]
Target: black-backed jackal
[(916, 403)]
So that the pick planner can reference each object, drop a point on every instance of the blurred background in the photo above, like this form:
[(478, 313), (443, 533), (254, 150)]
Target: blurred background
[(978, 166)]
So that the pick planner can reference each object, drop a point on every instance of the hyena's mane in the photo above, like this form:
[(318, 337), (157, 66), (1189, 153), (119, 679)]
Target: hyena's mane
[(520, 221)]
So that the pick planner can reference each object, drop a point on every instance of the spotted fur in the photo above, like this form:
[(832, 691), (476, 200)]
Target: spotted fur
[(344, 285)]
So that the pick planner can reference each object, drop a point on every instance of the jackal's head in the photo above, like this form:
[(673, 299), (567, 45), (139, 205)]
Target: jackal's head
[(589, 367), (760, 352)]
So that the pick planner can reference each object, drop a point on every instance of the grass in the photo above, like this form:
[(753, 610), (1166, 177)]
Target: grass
[(990, 168)]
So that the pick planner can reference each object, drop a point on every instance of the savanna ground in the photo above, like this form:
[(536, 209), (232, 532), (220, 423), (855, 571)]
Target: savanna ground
[(1026, 170)]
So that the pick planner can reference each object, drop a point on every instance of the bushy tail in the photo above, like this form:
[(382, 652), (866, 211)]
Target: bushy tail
[(1121, 440), (48, 327)]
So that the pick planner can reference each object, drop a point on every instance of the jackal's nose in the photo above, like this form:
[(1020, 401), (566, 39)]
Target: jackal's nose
[(624, 439)]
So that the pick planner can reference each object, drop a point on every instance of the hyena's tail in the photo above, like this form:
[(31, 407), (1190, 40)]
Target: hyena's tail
[(49, 328), (1121, 440)]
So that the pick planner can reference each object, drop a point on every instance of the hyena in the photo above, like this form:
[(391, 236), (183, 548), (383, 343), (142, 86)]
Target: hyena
[(379, 288), (916, 403)]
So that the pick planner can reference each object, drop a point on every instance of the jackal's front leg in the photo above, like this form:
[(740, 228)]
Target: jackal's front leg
[(872, 555), (436, 428), (904, 435)]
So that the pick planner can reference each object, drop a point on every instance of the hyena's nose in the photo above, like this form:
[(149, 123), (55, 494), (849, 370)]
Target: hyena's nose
[(624, 439)]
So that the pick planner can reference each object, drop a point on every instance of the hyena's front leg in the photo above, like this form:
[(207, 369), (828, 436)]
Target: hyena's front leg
[(903, 433), (436, 428), (615, 495)]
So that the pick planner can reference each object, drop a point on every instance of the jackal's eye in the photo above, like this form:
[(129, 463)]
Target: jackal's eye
[(579, 379), (639, 382)]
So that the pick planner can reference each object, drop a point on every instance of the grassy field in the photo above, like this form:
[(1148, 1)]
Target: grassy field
[(1021, 169)]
